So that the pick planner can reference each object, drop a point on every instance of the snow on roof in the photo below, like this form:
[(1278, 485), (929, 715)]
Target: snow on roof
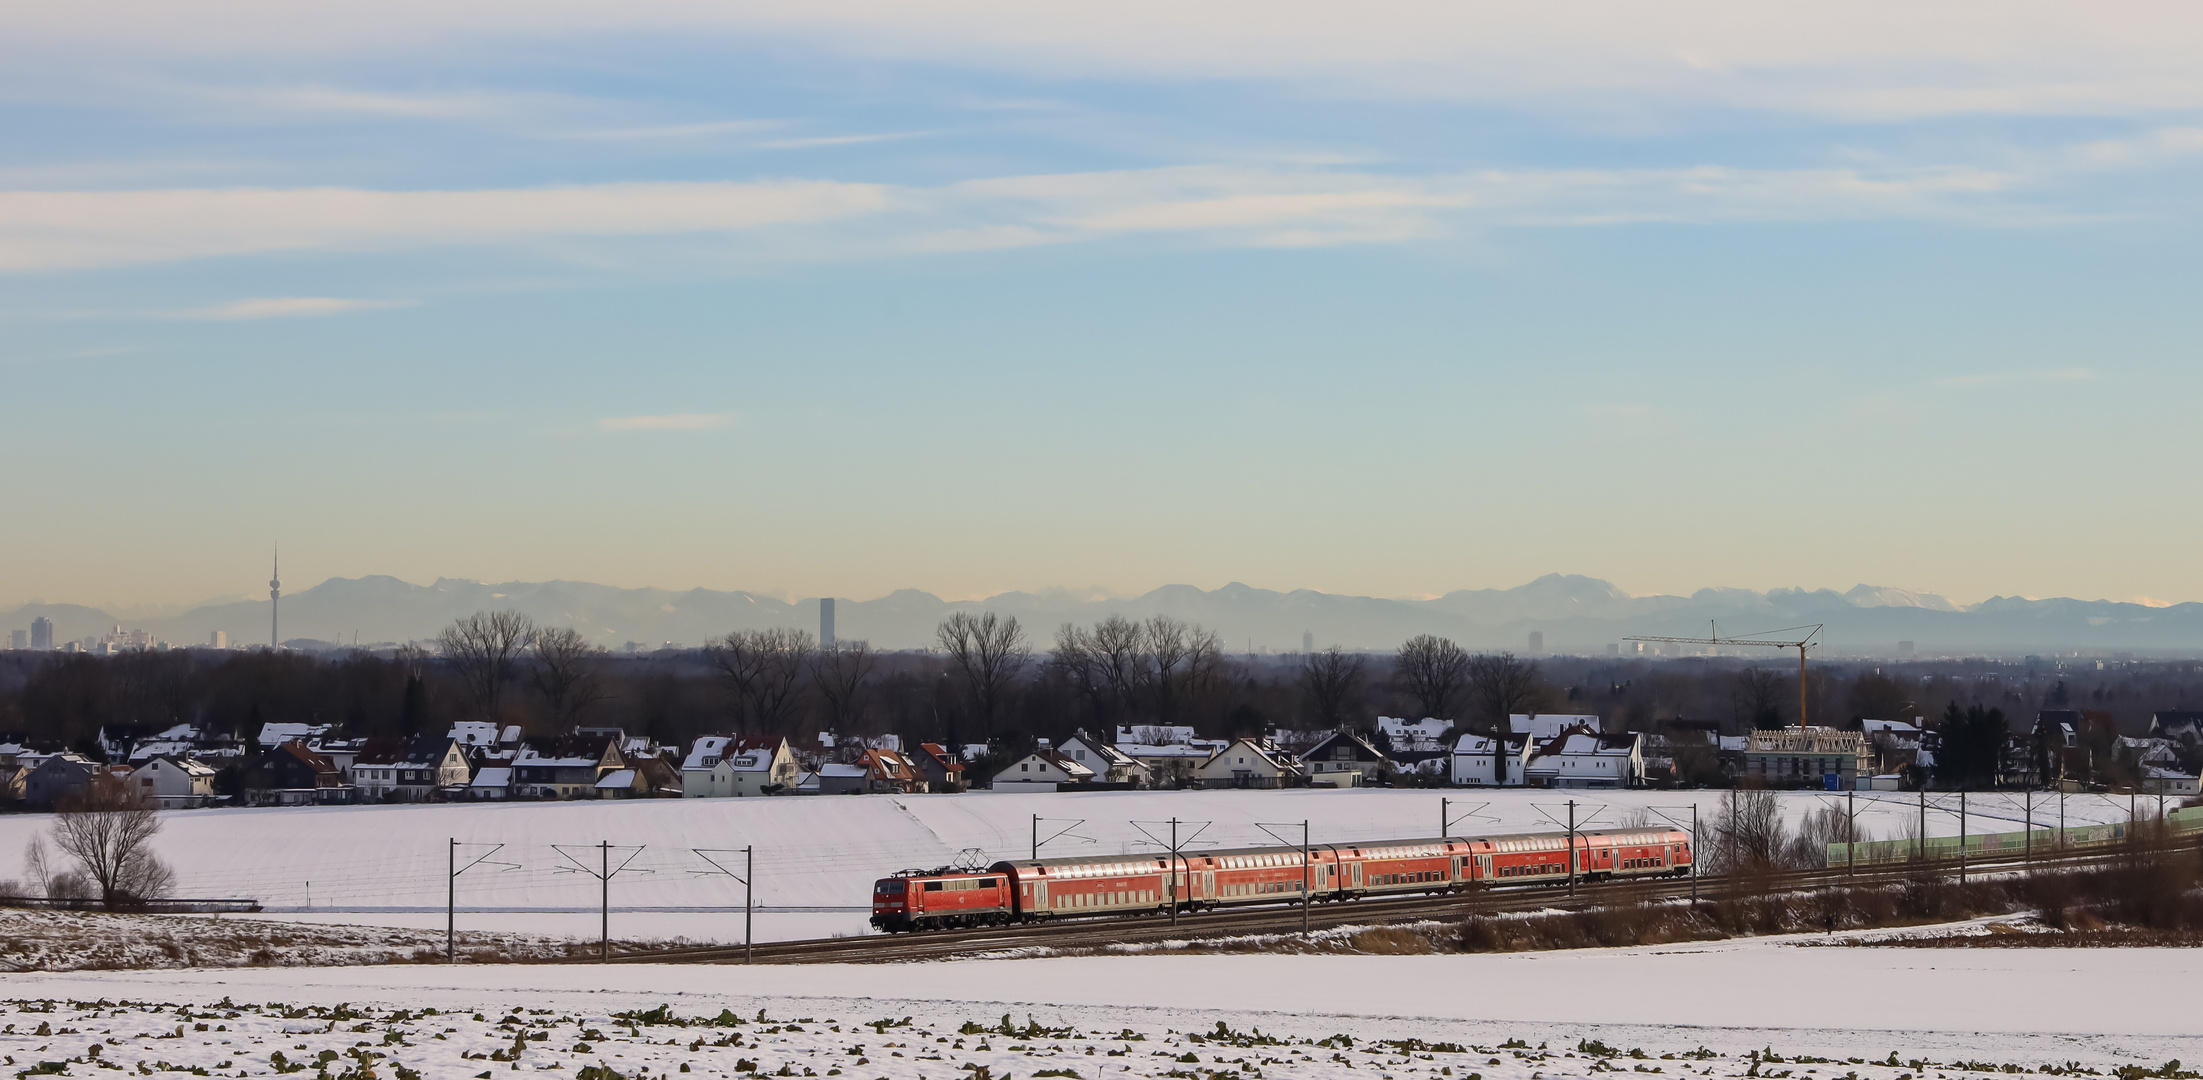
[(1167, 750), (1484, 744), (1548, 725), (616, 779), (276, 734), (854, 772), (474, 733), (705, 747), (495, 777), (1888, 727)]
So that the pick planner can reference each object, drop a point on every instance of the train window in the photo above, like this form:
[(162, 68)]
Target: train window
[(891, 888), (991, 883), (933, 886)]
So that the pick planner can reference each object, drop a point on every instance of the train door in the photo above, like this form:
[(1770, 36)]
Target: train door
[(1040, 895), (1208, 884), (1357, 873), (1483, 868)]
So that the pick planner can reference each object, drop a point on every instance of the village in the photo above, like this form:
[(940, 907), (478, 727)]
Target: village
[(187, 765)]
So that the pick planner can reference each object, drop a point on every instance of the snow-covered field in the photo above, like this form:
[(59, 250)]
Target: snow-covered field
[(1869, 1014), (817, 857)]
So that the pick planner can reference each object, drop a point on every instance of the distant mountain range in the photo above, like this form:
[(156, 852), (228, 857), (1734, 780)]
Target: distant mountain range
[(1575, 614)]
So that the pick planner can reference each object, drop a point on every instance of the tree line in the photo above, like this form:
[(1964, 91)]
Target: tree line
[(986, 680)]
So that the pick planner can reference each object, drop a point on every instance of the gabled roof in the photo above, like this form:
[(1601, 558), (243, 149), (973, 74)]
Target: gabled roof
[(1109, 755), (616, 779), (564, 751), (890, 765), (1268, 754), (705, 746), (1072, 769), (306, 755), (1329, 744), (1473, 743), (941, 757), (186, 766)]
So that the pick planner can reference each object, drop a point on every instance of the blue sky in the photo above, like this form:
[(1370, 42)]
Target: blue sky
[(974, 296)]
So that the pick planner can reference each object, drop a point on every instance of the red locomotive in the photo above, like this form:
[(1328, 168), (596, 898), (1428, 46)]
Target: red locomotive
[(1035, 890)]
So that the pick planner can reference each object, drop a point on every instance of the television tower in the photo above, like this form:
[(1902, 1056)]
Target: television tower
[(275, 601)]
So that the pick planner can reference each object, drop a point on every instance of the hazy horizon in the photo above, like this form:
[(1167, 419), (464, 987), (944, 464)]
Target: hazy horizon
[(298, 583)]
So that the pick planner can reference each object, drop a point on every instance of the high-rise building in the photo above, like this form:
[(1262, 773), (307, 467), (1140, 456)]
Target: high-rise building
[(19, 639), (275, 602), (42, 633), (1537, 643), (219, 639), (1308, 642), (826, 623)]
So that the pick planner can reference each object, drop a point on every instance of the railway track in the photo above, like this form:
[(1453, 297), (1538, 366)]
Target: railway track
[(1233, 922)]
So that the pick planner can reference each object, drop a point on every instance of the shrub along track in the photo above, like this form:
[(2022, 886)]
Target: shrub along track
[(1285, 919)]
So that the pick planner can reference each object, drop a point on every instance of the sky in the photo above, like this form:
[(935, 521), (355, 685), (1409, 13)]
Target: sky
[(842, 296)]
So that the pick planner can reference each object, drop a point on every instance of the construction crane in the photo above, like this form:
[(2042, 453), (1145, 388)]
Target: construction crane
[(1761, 639)]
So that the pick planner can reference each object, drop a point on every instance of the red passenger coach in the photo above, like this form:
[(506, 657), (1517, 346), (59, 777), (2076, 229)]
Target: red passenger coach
[(1532, 858), (1095, 885), (935, 899)]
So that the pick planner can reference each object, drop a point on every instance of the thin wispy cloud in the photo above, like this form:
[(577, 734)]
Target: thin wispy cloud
[(1872, 59), (285, 307), (700, 130), (1251, 205), (668, 422), (840, 140), (2000, 378)]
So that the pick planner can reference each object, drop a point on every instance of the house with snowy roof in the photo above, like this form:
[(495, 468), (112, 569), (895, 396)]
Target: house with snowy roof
[(1109, 764), (564, 766), (1344, 760), (738, 766), (1045, 769), (1583, 758), (1481, 760), (174, 783), (1249, 763), (411, 770)]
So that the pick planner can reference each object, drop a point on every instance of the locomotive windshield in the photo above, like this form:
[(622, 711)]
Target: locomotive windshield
[(889, 887)]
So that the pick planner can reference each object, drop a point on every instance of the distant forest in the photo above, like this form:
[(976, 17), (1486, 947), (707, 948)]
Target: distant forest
[(988, 681)]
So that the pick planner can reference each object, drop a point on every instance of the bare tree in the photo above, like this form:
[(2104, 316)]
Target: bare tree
[(763, 668), (567, 673), (1329, 678), (1075, 656), (1435, 670), (842, 672), (989, 652), (1748, 832), (1118, 658), (1166, 644), (108, 830), (485, 648), (1503, 684), (1757, 696)]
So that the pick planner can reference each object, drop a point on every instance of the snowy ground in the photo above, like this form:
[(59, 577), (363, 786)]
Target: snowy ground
[(1874, 1014), (817, 857)]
